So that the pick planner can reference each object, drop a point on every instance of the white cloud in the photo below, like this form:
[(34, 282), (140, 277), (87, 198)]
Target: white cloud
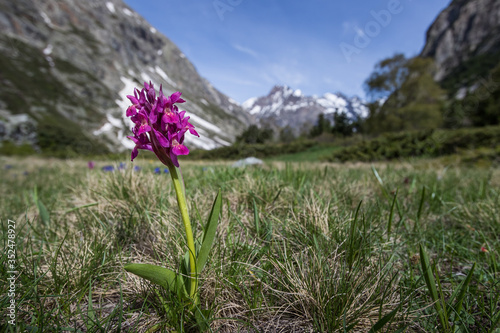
[(246, 50)]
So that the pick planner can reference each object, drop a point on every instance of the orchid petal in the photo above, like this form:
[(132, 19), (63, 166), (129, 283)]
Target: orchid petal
[(162, 140), (180, 150), (134, 154)]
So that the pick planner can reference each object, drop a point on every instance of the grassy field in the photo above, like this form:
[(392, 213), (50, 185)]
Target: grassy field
[(303, 247)]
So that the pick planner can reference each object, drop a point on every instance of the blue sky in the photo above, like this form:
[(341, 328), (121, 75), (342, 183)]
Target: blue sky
[(244, 47)]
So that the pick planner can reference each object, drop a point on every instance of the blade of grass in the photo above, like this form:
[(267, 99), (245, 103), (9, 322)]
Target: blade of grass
[(383, 321), (44, 213), (420, 206), (210, 231), (256, 217), (391, 215), (460, 291), (431, 286), (80, 207)]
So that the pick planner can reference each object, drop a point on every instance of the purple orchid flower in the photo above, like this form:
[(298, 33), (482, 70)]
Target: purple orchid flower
[(186, 126), (159, 126)]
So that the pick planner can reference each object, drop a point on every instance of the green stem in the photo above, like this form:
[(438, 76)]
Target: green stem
[(181, 200)]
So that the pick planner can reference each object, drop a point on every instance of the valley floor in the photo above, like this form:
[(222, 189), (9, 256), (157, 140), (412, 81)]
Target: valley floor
[(300, 247)]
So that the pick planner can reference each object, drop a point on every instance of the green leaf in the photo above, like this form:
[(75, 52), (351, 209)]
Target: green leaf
[(256, 217), (431, 285), (381, 182), (164, 277), (391, 215), (421, 205), (80, 207), (202, 317), (185, 272), (44, 213), (379, 179), (384, 320), (209, 233), (494, 322), (459, 293), (352, 237), (90, 310)]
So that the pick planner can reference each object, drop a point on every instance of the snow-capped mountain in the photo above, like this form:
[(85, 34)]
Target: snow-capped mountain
[(66, 67), (284, 106)]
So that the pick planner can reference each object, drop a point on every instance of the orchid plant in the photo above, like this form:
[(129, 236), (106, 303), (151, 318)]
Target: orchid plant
[(160, 127)]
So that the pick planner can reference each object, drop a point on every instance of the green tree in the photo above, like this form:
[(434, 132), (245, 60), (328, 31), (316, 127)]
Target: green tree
[(253, 134), (286, 135), (485, 101), (414, 100), (342, 125), (323, 125), (388, 76)]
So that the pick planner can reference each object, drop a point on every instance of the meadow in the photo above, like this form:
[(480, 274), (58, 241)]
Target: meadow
[(402, 246)]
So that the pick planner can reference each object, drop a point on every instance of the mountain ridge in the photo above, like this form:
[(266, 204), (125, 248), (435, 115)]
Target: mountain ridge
[(286, 107), (69, 65)]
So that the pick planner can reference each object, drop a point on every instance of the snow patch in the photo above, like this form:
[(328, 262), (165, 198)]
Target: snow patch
[(146, 78), (287, 91), (256, 109), (117, 123), (153, 30), (165, 76), (46, 18), (105, 128), (204, 101), (131, 72), (202, 142), (335, 99), (296, 107), (127, 12), (222, 142), (48, 50), (114, 121), (123, 103), (359, 107), (297, 93), (333, 103), (111, 7), (249, 103), (203, 123), (159, 52), (126, 142), (232, 101), (182, 55)]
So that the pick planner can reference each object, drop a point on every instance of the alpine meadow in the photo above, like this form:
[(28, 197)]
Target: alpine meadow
[(250, 166)]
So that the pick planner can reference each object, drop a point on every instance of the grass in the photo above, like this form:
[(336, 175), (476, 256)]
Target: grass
[(314, 153), (300, 247)]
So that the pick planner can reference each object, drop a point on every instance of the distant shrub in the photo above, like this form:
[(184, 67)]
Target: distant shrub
[(430, 143), (238, 151), (10, 149)]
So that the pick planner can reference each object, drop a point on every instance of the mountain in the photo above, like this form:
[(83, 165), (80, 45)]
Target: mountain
[(284, 106), (464, 41), (66, 67)]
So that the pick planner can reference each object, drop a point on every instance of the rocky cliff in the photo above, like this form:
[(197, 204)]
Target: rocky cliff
[(67, 65), (465, 37)]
